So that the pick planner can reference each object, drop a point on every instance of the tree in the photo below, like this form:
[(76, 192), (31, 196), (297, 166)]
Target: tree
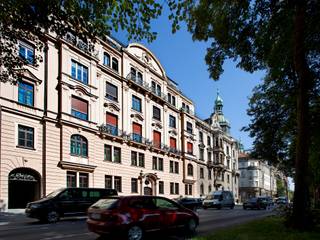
[(32, 19), (281, 37)]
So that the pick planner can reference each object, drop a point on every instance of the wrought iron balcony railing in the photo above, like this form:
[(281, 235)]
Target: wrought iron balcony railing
[(111, 130)]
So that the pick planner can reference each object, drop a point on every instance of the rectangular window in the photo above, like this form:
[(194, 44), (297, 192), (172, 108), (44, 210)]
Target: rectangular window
[(137, 132), (154, 163), (83, 180), (25, 136), (160, 164), (107, 153), (108, 181), (115, 64), (26, 52), (171, 167), (171, 188), (159, 90), (189, 127), (25, 93), (209, 156), (136, 104), (156, 113), (228, 178), (190, 148), (106, 59), (111, 92), (208, 141), (112, 124), (173, 100), (141, 159), (176, 167), (173, 143), (156, 139), (201, 173), (201, 153), (117, 155), (209, 174), (188, 189), (161, 187), (176, 188), (117, 184), (134, 185), (201, 137), (79, 108), (133, 158), (172, 121), (79, 72), (71, 179)]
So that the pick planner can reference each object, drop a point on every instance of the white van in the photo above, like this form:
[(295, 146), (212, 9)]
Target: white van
[(219, 199)]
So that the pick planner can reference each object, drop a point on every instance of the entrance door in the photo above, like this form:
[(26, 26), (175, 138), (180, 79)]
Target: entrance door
[(148, 191), (24, 187)]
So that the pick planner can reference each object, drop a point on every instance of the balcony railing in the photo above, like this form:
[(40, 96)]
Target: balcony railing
[(133, 78), (110, 130), (86, 47)]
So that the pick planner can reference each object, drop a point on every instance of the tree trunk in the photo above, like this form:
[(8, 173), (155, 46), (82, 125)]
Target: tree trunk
[(301, 206)]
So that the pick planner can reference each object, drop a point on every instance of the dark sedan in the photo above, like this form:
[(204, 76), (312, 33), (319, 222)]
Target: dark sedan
[(133, 216), (191, 203), (255, 203)]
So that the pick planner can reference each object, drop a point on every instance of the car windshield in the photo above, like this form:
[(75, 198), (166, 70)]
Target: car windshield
[(54, 193), (252, 200), (106, 203), (215, 196)]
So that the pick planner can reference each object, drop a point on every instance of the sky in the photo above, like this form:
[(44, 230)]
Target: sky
[(183, 61)]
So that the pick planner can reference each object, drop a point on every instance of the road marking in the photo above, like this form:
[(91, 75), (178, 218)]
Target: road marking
[(65, 236), (4, 223)]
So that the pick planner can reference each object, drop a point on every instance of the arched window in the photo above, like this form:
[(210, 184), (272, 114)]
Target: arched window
[(79, 145), (190, 169)]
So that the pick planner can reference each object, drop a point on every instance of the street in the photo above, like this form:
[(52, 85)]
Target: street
[(17, 226)]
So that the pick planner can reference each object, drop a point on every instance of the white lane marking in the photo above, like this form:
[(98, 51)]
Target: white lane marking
[(4, 223), (65, 236)]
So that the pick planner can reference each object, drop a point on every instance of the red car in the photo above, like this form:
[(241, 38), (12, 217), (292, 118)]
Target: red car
[(136, 215)]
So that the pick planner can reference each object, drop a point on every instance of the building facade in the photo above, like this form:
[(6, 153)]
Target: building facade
[(106, 117), (257, 177)]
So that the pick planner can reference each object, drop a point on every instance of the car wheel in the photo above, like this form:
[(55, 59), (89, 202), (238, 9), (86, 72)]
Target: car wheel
[(232, 206), (53, 216), (191, 226), (244, 208), (135, 233)]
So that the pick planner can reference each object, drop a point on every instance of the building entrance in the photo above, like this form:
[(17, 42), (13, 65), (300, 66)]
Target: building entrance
[(24, 187)]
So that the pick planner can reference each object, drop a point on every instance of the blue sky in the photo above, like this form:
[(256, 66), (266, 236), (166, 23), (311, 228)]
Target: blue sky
[(183, 61)]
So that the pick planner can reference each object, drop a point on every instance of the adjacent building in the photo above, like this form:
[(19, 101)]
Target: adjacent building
[(107, 116), (257, 177)]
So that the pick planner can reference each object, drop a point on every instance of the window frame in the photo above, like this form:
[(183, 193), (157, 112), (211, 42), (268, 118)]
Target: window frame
[(109, 95), (25, 93), (28, 48), (74, 111), (79, 142), (172, 121), (156, 113), (75, 65), (136, 101), (26, 131)]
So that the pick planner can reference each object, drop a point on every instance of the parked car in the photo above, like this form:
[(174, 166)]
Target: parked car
[(282, 201), (219, 199), (191, 203), (255, 203), (66, 202), (136, 215)]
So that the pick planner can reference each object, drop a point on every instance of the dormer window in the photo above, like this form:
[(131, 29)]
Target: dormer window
[(106, 59), (115, 64)]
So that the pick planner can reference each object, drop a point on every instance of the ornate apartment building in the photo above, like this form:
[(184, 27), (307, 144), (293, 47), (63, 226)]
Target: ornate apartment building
[(107, 118)]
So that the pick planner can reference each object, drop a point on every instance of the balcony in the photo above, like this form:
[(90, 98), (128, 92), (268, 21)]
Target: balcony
[(218, 165), (138, 81), (110, 130), (174, 151)]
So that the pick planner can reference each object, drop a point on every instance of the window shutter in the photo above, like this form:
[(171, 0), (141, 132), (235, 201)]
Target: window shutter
[(156, 138), (137, 128), (190, 147), (173, 143), (79, 105), (112, 119)]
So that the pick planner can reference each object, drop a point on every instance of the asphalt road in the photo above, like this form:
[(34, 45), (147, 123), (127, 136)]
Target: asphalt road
[(18, 227)]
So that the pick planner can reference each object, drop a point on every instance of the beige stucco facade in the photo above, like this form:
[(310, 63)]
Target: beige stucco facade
[(44, 167)]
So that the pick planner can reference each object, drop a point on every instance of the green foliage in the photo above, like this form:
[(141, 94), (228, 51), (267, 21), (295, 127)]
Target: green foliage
[(281, 188), (271, 228), (31, 19)]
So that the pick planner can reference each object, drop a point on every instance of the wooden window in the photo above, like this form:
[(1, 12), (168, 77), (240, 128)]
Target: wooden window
[(107, 153), (108, 181), (78, 145), (25, 93), (156, 113), (137, 132), (25, 136), (161, 187), (136, 104), (134, 185), (111, 92), (83, 180), (71, 179), (112, 124)]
